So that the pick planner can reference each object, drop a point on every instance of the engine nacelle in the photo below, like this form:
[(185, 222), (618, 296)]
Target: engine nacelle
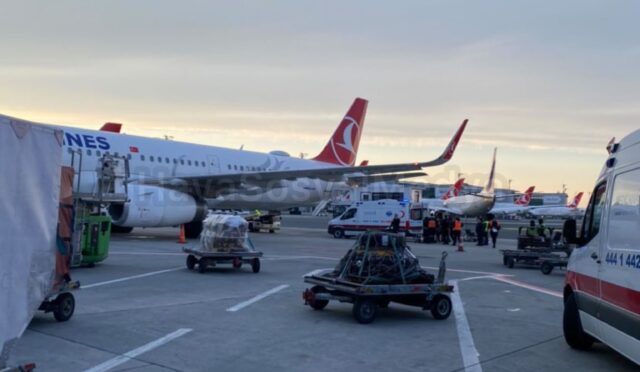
[(152, 206)]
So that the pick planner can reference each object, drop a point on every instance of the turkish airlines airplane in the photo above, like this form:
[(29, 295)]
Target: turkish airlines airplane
[(570, 210), (519, 206), (173, 183), (473, 205), (438, 204)]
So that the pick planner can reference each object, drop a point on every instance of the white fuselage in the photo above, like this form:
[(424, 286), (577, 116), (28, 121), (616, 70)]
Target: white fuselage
[(471, 205), (156, 158), (555, 212)]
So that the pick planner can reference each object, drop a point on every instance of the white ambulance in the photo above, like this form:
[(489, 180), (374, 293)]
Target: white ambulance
[(373, 215), (602, 291)]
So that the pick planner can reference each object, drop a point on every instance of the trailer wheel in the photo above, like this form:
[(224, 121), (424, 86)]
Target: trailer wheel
[(191, 262), (64, 305), (440, 307), (338, 233), (383, 304), (202, 265), (504, 260), (546, 268), (271, 231), (511, 262), (237, 263), (365, 310), (318, 304), (574, 334), (255, 265)]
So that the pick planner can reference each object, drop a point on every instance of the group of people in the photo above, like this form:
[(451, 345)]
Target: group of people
[(539, 231), (441, 228), (487, 227)]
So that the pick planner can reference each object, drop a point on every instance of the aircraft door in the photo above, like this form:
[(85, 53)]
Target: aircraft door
[(213, 164)]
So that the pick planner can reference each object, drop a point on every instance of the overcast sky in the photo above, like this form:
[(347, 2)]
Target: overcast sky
[(548, 83)]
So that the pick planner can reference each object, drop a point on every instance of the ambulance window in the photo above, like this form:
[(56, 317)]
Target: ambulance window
[(593, 215), (416, 214), (624, 213), (349, 214)]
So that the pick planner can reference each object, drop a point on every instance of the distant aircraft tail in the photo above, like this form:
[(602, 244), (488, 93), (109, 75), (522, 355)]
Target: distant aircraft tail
[(342, 148), (490, 189), (111, 127), (525, 199), (576, 201), (453, 190)]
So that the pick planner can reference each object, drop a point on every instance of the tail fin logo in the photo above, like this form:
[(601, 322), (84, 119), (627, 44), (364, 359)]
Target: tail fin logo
[(454, 190), (525, 199), (345, 152), (576, 201)]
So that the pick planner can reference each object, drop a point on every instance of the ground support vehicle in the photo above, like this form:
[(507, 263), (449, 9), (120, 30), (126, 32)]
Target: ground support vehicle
[(357, 281), (269, 222), (535, 242), (205, 260), (545, 260)]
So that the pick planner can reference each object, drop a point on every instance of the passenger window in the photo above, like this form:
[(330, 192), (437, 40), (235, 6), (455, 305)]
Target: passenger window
[(189, 162), (129, 156), (151, 158), (89, 152), (624, 214), (142, 157), (175, 161), (98, 153), (229, 166), (416, 214), (349, 214), (593, 215), (181, 162)]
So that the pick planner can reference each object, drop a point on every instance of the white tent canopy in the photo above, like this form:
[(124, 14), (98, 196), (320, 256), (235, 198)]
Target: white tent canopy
[(30, 161)]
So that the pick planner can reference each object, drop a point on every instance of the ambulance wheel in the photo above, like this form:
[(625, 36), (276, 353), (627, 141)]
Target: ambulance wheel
[(338, 233), (511, 262), (318, 304), (237, 263), (546, 268), (574, 334), (191, 262), (202, 266), (440, 307), (255, 265), (365, 310), (64, 305)]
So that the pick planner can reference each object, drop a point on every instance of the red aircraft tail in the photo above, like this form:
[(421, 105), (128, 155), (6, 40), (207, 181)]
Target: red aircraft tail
[(453, 190), (111, 127), (342, 148), (525, 199), (576, 201)]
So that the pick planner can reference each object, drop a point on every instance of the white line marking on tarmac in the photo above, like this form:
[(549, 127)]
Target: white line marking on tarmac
[(148, 253), (467, 271), (476, 278), (124, 358), (465, 338), (527, 286), (257, 298), (130, 278)]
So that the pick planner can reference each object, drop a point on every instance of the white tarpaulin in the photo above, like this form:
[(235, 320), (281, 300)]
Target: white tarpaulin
[(30, 160)]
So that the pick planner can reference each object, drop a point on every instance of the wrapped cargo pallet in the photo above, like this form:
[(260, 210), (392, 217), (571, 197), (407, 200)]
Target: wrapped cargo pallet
[(225, 233), (30, 163)]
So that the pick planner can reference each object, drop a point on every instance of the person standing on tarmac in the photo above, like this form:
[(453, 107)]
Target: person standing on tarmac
[(479, 231), (485, 231), (542, 229), (425, 229), (445, 226), (457, 231), (433, 225), (395, 224), (494, 228)]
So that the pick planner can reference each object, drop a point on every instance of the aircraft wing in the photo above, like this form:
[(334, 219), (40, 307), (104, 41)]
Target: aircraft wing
[(215, 185)]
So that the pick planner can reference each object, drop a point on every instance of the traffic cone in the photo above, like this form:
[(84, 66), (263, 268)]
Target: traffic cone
[(460, 246), (181, 238)]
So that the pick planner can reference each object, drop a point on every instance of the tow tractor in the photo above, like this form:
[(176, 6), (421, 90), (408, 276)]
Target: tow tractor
[(364, 279)]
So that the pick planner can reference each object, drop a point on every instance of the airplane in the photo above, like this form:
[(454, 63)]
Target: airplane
[(437, 203), (569, 210), (175, 183), (473, 205), (519, 206)]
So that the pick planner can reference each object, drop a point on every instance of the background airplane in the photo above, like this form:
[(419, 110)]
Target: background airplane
[(172, 183), (473, 205), (521, 205), (569, 210)]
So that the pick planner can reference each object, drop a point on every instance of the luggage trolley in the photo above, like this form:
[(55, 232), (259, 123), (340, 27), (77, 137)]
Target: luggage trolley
[(367, 296), (224, 239), (61, 302)]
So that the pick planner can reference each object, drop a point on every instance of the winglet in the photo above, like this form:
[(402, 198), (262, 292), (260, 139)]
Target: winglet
[(453, 144), (111, 127), (492, 174), (342, 148)]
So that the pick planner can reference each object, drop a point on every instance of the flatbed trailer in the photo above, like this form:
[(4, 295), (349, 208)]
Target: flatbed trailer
[(367, 298), (204, 260), (546, 260)]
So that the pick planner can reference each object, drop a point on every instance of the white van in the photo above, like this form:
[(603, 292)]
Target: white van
[(602, 291), (373, 215)]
